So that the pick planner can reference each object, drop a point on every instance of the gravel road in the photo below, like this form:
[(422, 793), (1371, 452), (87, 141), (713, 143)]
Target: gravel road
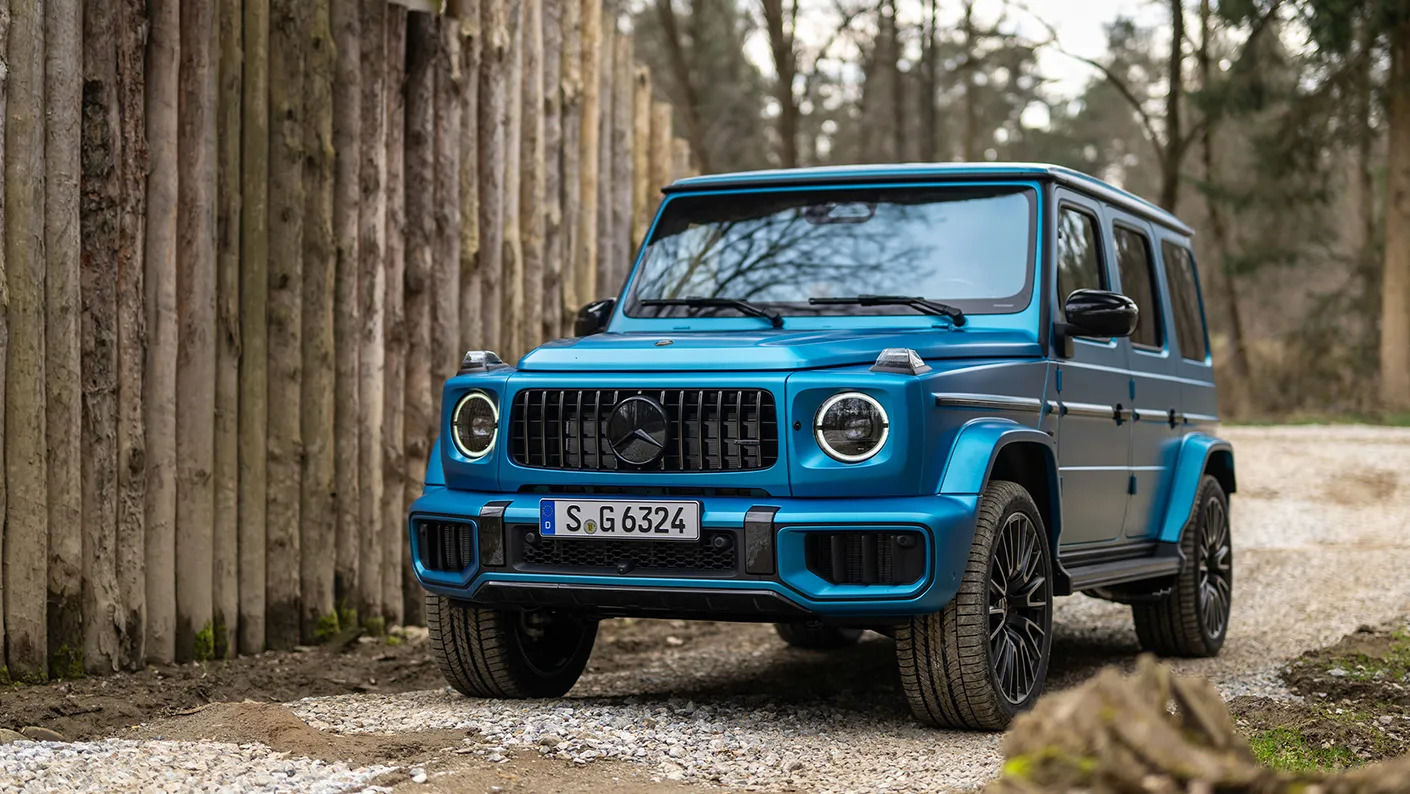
[(1320, 548)]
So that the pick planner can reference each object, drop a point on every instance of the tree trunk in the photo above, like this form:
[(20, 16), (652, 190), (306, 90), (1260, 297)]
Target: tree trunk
[(511, 331), (689, 97), (1395, 286), (623, 187), (1173, 151), (63, 51), (319, 512), (969, 65), (471, 288), (26, 519), (551, 302), (254, 330), (607, 48), (349, 330), (585, 255), (372, 242), (98, 221), (492, 121), (4, 299), (396, 540), (680, 159), (570, 87), (785, 68), (225, 586), (929, 83), (288, 29), (159, 388), (660, 154), (531, 185), (642, 197), (444, 280), (130, 30)]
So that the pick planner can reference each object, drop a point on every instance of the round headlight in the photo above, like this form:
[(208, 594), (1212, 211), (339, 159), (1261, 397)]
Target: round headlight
[(474, 424), (851, 426)]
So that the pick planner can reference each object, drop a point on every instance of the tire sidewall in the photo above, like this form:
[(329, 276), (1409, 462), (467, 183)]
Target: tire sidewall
[(1210, 489), (539, 683), (1018, 501)]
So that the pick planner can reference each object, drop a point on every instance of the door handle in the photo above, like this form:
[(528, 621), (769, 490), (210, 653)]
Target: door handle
[(1121, 414)]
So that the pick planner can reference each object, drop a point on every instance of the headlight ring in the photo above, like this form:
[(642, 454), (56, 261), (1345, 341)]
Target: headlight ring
[(474, 424), (851, 426)]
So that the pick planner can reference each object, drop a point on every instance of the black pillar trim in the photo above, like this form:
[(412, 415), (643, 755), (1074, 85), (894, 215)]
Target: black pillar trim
[(491, 531), (759, 540)]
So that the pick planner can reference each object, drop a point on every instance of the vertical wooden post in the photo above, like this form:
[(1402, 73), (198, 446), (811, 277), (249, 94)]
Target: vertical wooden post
[(553, 233), (585, 257), (570, 83), (317, 510), (659, 156), (254, 308), (225, 588), (472, 316), (98, 222), (492, 121), (471, 282), (641, 155), (159, 387), (623, 109), (288, 26), (394, 473), (445, 350), (4, 306), (349, 330), (511, 325), (680, 158), (371, 229), (131, 331), (607, 56), (62, 105), (531, 185)]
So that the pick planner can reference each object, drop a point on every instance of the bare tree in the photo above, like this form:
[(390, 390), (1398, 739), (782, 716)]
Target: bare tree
[(492, 118), (681, 73), (1395, 284), (471, 286), (585, 253), (780, 20), (394, 458), (554, 228), (533, 166)]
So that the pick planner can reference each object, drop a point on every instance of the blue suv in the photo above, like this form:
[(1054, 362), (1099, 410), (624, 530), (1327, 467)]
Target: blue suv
[(922, 400)]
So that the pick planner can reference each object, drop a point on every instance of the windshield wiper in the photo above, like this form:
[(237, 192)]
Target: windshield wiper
[(918, 303), (741, 306)]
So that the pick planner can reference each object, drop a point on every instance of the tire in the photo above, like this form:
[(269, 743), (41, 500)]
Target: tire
[(1194, 618), (961, 667), (816, 635), (493, 653)]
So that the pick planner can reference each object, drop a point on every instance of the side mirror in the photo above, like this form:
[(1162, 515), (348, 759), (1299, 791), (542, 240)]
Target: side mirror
[(592, 318), (1097, 313)]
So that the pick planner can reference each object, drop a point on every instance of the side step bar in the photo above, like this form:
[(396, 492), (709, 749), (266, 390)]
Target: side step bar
[(1165, 562)]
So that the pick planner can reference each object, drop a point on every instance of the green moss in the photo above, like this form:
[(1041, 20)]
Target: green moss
[(327, 628), (222, 639), (347, 616), (394, 640), (66, 662), (204, 649), (1288, 750), (375, 626)]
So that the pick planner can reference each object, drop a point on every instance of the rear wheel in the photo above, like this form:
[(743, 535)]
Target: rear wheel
[(816, 635), (494, 653), (984, 657), (1193, 619)]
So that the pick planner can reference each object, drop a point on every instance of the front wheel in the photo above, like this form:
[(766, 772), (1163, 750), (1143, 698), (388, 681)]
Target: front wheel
[(1193, 619), (984, 657), (498, 653)]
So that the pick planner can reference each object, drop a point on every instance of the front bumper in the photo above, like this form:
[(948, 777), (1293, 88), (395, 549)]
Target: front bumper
[(771, 581)]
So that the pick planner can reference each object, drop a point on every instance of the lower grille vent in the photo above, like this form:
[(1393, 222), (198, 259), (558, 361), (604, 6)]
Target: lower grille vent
[(888, 558), (715, 552), (444, 545)]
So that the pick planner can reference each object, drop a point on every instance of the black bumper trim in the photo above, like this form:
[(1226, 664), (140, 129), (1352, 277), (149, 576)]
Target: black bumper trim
[(759, 540), (643, 602)]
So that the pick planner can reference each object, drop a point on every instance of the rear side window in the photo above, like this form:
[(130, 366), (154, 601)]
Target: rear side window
[(1079, 264), (1133, 258), (1184, 300)]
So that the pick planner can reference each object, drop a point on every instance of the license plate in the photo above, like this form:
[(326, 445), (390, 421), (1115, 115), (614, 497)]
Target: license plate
[(619, 520)]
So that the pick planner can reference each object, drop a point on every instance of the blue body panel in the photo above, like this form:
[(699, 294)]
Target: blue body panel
[(996, 391)]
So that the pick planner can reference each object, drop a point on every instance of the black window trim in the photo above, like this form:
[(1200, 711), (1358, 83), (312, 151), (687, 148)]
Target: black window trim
[(1157, 277), (1094, 214), (1207, 360)]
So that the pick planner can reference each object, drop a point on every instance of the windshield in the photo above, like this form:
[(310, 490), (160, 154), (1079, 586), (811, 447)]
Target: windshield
[(969, 247)]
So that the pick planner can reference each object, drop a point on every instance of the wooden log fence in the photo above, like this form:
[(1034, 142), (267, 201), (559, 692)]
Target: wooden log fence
[(244, 241)]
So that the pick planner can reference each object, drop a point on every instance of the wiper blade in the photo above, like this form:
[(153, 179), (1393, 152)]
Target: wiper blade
[(741, 306), (918, 303)]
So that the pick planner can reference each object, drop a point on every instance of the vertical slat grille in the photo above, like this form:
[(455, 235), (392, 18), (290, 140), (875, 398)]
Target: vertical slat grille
[(709, 429), (444, 545), (860, 557)]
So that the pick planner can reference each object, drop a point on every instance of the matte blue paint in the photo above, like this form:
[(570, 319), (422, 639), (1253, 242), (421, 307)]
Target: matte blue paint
[(937, 459)]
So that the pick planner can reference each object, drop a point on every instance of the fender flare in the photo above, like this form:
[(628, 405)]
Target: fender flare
[(1197, 452), (977, 447)]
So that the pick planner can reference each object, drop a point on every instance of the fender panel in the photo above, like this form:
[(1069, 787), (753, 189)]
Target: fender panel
[(1197, 450), (976, 448)]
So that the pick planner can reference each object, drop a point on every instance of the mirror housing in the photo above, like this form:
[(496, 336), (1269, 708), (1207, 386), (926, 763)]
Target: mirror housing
[(1096, 313), (592, 318)]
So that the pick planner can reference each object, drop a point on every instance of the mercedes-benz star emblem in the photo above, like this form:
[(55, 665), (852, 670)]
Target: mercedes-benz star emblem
[(636, 430)]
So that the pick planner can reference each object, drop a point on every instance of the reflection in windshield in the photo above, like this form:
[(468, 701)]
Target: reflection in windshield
[(964, 246)]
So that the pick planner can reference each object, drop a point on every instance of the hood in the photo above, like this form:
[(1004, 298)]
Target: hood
[(768, 350)]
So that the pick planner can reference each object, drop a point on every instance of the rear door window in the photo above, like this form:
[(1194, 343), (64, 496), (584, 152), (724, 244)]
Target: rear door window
[(1079, 262), (1133, 259), (1184, 300)]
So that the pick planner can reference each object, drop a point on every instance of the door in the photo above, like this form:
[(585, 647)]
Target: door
[(1092, 444), (1153, 391)]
